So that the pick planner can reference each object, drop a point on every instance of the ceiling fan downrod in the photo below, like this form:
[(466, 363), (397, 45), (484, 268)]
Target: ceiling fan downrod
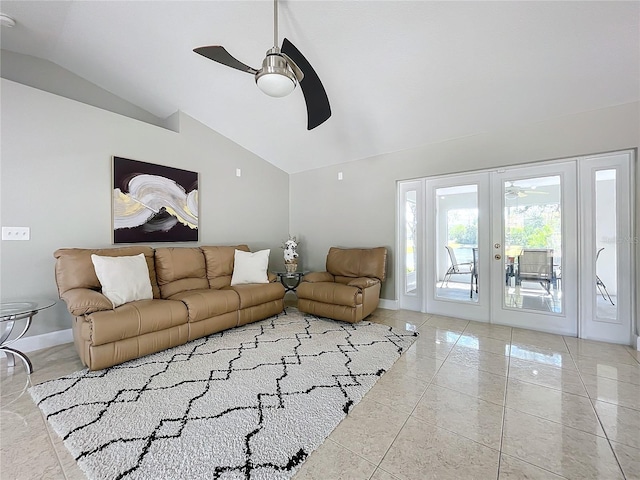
[(275, 24)]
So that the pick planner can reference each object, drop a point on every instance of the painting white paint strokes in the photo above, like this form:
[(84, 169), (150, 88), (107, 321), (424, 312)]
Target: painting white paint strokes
[(153, 203)]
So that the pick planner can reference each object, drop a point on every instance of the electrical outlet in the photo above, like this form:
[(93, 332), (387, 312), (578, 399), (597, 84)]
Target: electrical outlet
[(16, 233)]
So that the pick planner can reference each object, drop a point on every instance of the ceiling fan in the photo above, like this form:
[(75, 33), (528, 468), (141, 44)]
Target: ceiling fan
[(282, 69), (512, 191)]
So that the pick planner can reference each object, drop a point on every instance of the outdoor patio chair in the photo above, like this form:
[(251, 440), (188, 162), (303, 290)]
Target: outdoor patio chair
[(600, 284), (536, 265), (456, 268)]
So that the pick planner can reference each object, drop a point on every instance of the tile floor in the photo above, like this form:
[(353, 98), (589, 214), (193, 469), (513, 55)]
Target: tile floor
[(466, 401)]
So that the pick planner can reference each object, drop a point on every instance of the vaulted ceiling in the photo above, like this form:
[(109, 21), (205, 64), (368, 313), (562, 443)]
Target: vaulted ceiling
[(398, 74)]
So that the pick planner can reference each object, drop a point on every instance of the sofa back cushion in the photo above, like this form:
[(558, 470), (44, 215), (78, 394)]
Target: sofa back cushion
[(219, 262), (357, 262), (180, 269), (74, 268)]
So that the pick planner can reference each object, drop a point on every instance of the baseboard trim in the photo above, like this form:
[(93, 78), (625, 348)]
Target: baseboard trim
[(388, 304), (45, 340)]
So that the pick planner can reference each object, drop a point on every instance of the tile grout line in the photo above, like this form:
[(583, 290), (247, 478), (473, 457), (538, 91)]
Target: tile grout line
[(504, 414), (504, 406), (406, 420), (504, 410), (346, 448), (422, 395), (591, 401), (460, 334)]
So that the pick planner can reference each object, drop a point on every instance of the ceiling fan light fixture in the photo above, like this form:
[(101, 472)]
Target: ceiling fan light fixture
[(276, 78), (7, 21), (511, 195)]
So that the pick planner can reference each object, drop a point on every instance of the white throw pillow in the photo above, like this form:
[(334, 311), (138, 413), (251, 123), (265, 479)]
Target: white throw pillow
[(123, 279), (250, 267)]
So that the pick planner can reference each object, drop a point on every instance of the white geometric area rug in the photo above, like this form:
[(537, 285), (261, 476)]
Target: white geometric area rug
[(248, 403)]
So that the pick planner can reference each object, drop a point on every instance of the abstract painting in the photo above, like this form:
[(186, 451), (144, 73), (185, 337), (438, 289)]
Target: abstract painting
[(153, 203)]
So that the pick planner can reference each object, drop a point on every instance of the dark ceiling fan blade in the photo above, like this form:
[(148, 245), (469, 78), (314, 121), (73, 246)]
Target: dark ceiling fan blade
[(315, 96), (220, 55)]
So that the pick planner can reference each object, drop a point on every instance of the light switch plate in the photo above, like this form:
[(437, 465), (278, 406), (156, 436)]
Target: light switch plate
[(16, 233)]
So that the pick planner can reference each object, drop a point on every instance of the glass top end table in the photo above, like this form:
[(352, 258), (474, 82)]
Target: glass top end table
[(295, 276), (12, 311)]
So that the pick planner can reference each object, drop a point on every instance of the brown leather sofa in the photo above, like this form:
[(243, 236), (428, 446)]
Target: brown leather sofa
[(192, 298), (350, 288)]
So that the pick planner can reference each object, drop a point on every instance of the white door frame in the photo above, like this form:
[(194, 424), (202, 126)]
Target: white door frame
[(414, 300), (479, 310), (620, 329), (586, 327)]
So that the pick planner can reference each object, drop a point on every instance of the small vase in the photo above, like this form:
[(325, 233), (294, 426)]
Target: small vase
[(291, 267)]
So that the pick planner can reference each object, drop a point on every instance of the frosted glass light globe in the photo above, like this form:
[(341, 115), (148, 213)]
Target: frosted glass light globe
[(275, 84)]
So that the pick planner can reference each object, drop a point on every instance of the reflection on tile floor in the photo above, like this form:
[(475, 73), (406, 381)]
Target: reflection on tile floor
[(467, 401)]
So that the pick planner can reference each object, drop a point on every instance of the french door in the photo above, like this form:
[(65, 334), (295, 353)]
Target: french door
[(457, 242), (511, 247), (534, 247)]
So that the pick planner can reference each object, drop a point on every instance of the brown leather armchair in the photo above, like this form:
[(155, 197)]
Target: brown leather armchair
[(350, 288)]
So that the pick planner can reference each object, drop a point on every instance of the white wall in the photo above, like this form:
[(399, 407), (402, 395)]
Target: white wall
[(55, 178), (50, 77), (361, 209)]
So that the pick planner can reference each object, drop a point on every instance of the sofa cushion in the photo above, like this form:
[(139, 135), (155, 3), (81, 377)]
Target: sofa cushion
[(207, 303), (337, 312), (219, 261), (363, 282), (123, 279), (256, 294), (74, 268), (180, 269), (250, 267), (330, 292), (357, 262), (318, 277), (133, 319)]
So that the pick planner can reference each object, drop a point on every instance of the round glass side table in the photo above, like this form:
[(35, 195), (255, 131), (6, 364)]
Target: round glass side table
[(12, 312), (285, 277)]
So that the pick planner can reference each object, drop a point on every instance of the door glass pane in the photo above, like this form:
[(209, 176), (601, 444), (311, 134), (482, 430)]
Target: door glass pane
[(456, 243), (411, 225), (533, 244), (605, 259)]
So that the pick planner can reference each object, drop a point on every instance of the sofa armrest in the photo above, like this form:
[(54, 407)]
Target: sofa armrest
[(81, 301), (314, 277), (363, 282)]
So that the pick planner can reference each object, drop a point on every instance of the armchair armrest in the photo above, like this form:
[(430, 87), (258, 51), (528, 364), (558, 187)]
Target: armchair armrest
[(314, 277), (272, 277), (363, 282), (81, 301)]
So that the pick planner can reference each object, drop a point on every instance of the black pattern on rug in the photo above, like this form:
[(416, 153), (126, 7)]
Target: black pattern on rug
[(248, 403)]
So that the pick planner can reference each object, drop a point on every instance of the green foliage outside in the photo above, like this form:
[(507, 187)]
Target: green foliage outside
[(463, 234), (531, 226), (531, 236), (538, 226)]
